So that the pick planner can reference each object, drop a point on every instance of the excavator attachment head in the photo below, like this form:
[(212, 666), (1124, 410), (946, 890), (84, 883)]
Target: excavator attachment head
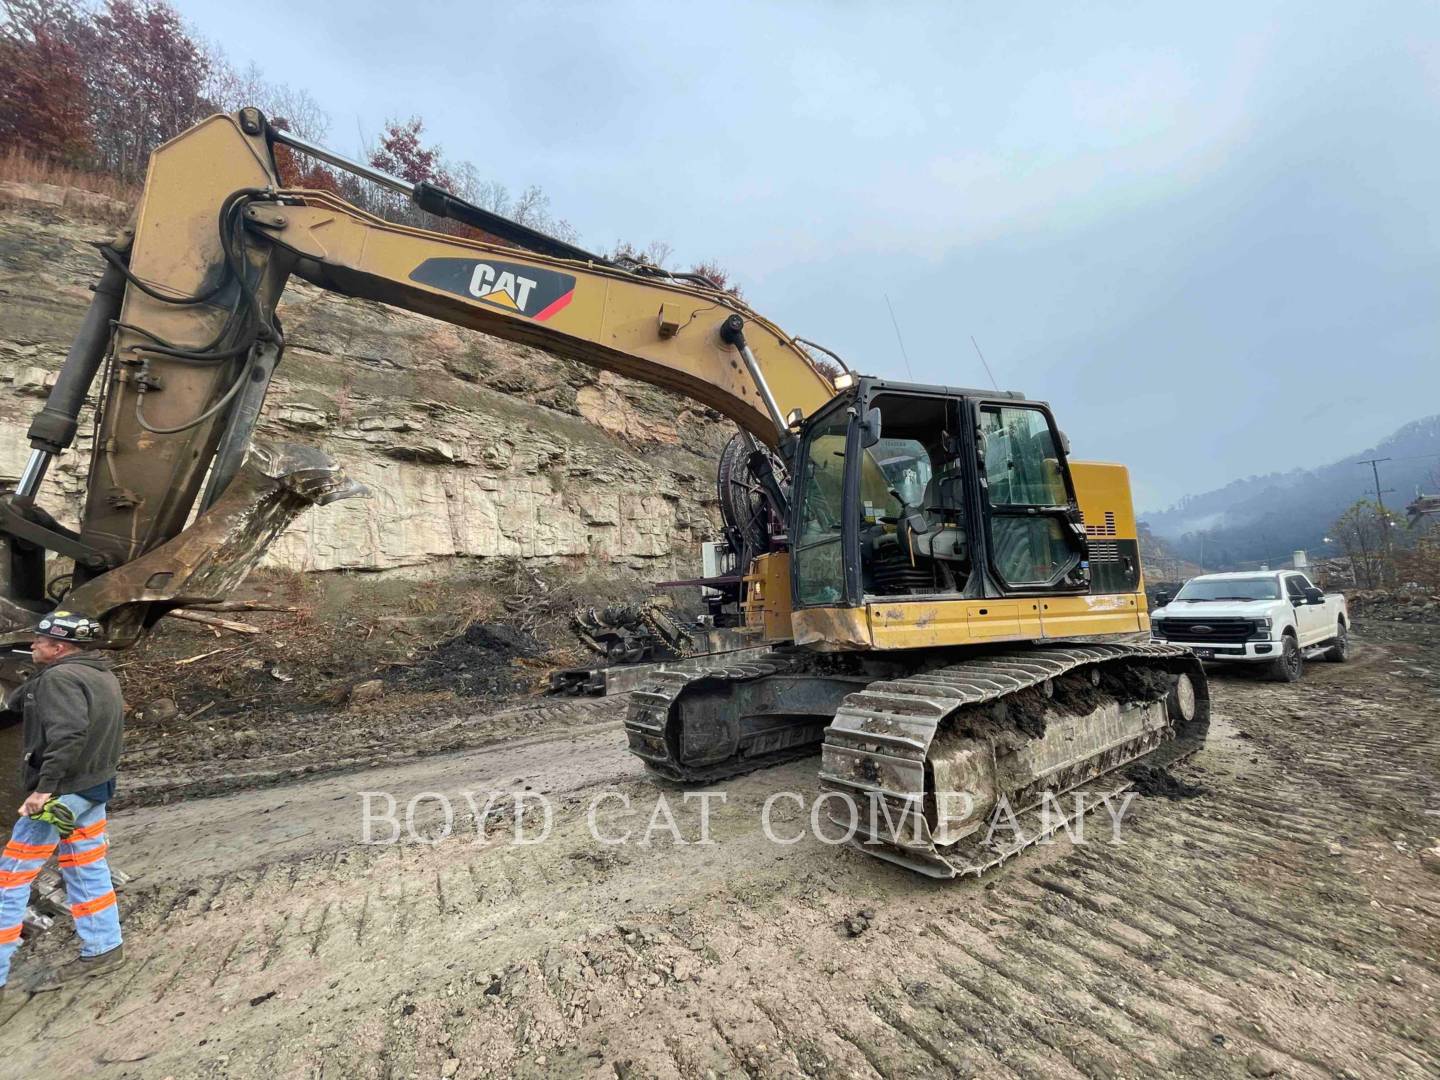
[(206, 561)]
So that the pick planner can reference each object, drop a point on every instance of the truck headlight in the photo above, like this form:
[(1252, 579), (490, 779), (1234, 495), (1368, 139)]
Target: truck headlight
[(1262, 629)]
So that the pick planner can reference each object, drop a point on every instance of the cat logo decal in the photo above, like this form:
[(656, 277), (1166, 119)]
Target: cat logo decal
[(532, 291)]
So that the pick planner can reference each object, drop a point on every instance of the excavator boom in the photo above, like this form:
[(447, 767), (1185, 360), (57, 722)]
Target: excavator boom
[(184, 323)]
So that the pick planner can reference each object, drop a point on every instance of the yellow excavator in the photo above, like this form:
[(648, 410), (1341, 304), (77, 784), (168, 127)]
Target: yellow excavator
[(942, 602)]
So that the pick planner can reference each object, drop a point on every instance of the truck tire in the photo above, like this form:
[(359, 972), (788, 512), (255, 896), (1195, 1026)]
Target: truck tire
[(1290, 664), (1339, 650)]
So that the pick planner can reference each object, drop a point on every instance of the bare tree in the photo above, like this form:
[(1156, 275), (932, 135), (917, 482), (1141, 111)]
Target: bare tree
[(147, 77), (102, 83), (532, 208), (718, 275), (1363, 533), (655, 253), (469, 185), (229, 88)]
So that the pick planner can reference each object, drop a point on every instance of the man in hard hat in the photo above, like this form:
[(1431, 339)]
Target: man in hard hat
[(73, 713)]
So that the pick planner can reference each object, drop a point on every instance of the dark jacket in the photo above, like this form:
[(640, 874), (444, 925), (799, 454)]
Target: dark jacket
[(74, 715)]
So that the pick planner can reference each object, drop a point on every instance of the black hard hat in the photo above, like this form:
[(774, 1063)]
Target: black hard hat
[(67, 626)]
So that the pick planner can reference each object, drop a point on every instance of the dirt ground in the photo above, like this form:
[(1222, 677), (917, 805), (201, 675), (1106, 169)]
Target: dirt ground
[(214, 711), (1280, 924)]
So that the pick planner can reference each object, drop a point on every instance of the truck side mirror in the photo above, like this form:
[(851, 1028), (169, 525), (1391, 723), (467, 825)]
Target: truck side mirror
[(1162, 598), (1314, 595)]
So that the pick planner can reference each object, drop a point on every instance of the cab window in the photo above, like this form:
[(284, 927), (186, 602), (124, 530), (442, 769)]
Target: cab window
[(1023, 472), (819, 565), (1029, 550), (1022, 467), (894, 474)]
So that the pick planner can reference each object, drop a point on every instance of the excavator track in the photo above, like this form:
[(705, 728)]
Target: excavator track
[(925, 760), (657, 734)]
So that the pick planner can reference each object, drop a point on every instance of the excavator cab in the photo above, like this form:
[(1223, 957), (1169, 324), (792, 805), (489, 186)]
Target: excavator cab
[(907, 491), (965, 604)]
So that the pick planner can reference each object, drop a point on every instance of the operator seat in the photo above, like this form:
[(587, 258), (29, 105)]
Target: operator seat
[(936, 528)]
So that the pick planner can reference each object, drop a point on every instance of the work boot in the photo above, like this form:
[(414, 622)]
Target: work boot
[(11, 1004), (83, 967)]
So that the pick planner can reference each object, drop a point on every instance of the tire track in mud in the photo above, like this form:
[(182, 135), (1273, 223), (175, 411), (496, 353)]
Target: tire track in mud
[(1222, 933)]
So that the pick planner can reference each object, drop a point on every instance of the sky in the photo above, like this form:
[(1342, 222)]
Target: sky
[(1208, 235)]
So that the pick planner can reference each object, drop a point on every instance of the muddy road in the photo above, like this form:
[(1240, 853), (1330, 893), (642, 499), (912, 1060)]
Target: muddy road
[(1280, 924)]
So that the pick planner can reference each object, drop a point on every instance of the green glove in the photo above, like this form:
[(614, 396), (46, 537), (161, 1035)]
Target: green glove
[(58, 814)]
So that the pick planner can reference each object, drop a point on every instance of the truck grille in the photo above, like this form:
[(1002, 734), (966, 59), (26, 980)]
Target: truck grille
[(1205, 631)]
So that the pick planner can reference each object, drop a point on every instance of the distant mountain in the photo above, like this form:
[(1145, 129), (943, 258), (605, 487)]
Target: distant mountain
[(1264, 518)]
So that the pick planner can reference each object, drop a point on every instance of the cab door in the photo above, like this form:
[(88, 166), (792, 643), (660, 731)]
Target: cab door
[(818, 534), (1032, 538)]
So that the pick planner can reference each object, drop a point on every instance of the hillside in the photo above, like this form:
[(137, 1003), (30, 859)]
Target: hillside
[(1265, 517), (473, 447)]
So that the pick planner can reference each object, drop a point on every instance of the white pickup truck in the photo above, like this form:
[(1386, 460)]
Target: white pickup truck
[(1274, 617)]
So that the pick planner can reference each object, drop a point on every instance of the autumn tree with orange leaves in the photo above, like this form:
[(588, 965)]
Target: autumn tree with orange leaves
[(99, 88)]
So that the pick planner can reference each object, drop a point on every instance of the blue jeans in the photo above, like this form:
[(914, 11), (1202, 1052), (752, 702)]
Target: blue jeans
[(83, 868)]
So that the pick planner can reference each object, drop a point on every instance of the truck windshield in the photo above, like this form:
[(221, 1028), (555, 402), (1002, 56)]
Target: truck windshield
[(1256, 588)]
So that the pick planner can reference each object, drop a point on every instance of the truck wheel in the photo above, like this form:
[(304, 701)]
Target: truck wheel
[(1290, 665), (1339, 650)]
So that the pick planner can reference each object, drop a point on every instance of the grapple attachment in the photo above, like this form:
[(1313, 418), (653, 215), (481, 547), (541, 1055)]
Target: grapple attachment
[(206, 561)]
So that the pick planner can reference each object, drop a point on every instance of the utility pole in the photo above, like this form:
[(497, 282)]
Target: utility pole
[(1384, 520), (1380, 492)]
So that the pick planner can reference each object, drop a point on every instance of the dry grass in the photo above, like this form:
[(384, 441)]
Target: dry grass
[(16, 166), (428, 597), (1420, 564), (291, 587)]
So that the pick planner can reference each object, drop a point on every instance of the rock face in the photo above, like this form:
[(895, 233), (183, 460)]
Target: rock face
[(473, 447)]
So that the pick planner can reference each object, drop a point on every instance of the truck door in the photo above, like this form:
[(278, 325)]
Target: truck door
[(1322, 618), (1306, 614)]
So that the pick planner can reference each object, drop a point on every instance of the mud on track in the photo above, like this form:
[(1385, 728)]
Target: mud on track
[(1280, 922)]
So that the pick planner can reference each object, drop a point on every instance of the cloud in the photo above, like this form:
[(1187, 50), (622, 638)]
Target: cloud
[(1219, 216)]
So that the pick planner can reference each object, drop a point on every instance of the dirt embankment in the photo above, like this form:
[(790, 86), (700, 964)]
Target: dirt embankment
[(1395, 605), (349, 673)]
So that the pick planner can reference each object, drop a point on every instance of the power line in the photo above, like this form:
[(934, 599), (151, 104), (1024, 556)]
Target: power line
[(985, 362), (895, 323), (1412, 457)]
